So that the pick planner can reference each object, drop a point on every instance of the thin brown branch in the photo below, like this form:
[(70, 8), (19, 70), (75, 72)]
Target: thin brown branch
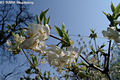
[(105, 59), (95, 67), (37, 70), (108, 76), (57, 38), (91, 65), (108, 58), (18, 14), (3, 19)]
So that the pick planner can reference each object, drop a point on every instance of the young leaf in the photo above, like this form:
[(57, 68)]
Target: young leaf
[(110, 17), (48, 19), (58, 44), (28, 71), (21, 33), (8, 26), (35, 61), (105, 13), (112, 7), (63, 27), (71, 42), (45, 20), (117, 10), (66, 37), (45, 74), (103, 45), (43, 13), (38, 20), (59, 31), (48, 74)]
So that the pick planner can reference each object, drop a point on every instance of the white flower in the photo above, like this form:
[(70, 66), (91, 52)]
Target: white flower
[(37, 35), (71, 55), (15, 45), (42, 31), (111, 34), (18, 39), (60, 58), (8, 42), (29, 43), (40, 47), (34, 44)]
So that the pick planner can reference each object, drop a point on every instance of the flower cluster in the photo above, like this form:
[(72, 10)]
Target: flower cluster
[(14, 45), (111, 34), (37, 34), (60, 58)]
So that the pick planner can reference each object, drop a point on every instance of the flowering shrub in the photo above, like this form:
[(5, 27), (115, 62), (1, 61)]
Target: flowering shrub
[(64, 57)]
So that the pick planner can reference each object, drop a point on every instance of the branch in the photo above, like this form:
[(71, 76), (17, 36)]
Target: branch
[(58, 38), (12, 72), (108, 59), (18, 14), (95, 67), (37, 70), (91, 65)]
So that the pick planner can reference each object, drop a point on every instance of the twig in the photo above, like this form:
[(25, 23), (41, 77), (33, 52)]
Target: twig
[(91, 65), (108, 76), (108, 59), (57, 38), (37, 70), (95, 67)]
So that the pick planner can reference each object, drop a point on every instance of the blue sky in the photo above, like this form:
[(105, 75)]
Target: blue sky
[(79, 16)]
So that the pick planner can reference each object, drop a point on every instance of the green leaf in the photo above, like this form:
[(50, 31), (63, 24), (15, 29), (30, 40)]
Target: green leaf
[(45, 20), (48, 19), (67, 31), (82, 63), (63, 27), (35, 61), (103, 45), (21, 33), (38, 20), (28, 71), (117, 10), (110, 17), (91, 47), (66, 37), (58, 44), (48, 74), (43, 13), (45, 74), (112, 7), (8, 26), (71, 42), (105, 13), (116, 16), (14, 25), (60, 33), (93, 35), (50, 27)]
